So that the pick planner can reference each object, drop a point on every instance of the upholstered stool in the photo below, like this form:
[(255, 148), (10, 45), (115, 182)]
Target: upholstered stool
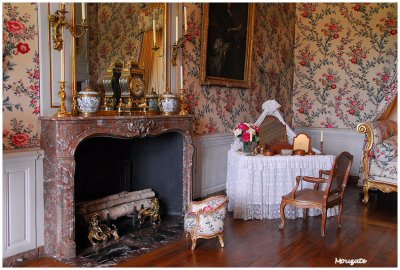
[(205, 219)]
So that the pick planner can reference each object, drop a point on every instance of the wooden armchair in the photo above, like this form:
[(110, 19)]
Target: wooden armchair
[(315, 198)]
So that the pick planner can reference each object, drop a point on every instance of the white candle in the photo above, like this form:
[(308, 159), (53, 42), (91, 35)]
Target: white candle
[(176, 30), (322, 136), (154, 32), (83, 11), (181, 77), (184, 14)]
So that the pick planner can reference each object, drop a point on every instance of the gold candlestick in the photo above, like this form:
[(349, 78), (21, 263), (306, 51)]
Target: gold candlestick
[(182, 99)]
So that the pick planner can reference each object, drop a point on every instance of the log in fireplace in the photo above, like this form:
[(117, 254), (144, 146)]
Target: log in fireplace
[(62, 138)]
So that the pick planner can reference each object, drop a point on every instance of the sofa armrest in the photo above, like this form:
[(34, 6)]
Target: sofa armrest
[(376, 132)]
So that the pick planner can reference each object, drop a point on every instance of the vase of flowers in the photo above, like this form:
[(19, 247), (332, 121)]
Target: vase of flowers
[(248, 135)]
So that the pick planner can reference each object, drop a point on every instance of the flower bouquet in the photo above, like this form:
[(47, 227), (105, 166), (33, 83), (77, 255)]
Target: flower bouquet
[(247, 134)]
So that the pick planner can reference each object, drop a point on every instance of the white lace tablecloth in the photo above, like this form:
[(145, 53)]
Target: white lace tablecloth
[(255, 184)]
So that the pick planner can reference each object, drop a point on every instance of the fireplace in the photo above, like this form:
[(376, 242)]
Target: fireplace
[(145, 152)]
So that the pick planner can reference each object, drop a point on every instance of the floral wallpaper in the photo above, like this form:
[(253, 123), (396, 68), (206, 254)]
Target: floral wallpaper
[(219, 109), (20, 76), (116, 31), (345, 63)]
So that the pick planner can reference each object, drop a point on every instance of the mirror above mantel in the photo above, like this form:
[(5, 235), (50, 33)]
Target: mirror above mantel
[(122, 31)]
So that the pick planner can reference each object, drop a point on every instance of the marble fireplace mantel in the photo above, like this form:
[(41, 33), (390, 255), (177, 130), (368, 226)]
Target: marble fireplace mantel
[(60, 138)]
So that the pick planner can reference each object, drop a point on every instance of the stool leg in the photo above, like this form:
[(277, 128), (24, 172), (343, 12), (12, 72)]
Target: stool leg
[(283, 204), (193, 243)]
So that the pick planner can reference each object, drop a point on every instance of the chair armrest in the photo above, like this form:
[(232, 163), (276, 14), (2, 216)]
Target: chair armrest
[(322, 172), (315, 180)]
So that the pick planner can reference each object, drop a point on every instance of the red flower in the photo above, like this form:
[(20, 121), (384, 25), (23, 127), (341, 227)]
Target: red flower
[(23, 48), (243, 126), (246, 137), (393, 32), (354, 60), (305, 14), (333, 86), (330, 77), (228, 107), (335, 36), (385, 77), (390, 22), (20, 139), (364, 56), (333, 27), (5, 132), (301, 110), (207, 208), (15, 27), (303, 63), (352, 111), (357, 7)]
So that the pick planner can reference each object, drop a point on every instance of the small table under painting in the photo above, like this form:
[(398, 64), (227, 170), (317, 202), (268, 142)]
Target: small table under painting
[(255, 184)]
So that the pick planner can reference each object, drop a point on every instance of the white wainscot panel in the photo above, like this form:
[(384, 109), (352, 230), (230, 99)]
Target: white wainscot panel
[(22, 201), (210, 163), (336, 141)]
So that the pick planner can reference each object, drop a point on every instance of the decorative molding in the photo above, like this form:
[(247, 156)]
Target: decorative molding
[(337, 140)]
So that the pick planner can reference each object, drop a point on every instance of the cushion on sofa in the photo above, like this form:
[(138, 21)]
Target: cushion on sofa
[(386, 150)]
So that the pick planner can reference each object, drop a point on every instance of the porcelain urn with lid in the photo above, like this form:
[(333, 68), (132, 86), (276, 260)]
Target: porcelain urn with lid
[(88, 101), (168, 103)]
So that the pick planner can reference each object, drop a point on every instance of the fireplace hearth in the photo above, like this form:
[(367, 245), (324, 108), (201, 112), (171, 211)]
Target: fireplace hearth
[(151, 152)]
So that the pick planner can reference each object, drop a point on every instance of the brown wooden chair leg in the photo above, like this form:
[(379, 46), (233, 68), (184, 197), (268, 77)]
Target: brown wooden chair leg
[(193, 243), (339, 219), (366, 195), (305, 213), (283, 205), (221, 239), (323, 223)]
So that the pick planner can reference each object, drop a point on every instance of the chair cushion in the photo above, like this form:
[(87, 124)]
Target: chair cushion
[(386, 150), (311, 195)]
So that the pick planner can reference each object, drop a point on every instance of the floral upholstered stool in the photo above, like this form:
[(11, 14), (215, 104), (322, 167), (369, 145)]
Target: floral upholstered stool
[(205, 219)]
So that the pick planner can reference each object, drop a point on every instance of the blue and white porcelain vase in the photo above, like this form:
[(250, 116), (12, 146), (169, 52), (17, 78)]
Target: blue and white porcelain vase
[(88, 101), (169, 103)]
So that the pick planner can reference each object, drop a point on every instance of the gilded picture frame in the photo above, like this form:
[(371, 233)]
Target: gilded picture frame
[(226, 44)]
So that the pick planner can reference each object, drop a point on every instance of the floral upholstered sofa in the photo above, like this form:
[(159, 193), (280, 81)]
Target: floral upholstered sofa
[(380, 156)]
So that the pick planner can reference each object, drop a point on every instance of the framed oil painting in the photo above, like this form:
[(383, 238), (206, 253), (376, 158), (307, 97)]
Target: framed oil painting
[(226, 44)]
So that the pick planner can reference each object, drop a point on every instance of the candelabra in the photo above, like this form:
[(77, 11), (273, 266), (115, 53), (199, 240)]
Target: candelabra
[(58, 23), (176, 46), (183, 105)]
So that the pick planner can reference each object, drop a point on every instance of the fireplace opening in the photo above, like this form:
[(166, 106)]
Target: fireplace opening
[(107, 166)]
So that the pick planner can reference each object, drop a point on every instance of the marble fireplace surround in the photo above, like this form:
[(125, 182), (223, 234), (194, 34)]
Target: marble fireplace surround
[(60, 138)]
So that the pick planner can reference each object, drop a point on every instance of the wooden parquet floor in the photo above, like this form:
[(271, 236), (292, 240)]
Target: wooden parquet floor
[(368, 233)]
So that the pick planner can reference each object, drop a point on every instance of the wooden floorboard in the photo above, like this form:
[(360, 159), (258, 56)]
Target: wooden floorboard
[(369, 233)]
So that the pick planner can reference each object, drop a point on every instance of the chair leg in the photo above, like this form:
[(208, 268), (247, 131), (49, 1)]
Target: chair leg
[(366, 195), (193, 243), (283, 205), (187, 234), (339, 219), (221, 239), (323, 223), (305, 213)]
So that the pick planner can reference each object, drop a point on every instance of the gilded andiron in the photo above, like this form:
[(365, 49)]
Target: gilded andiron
[(100, 232), (153, 212)]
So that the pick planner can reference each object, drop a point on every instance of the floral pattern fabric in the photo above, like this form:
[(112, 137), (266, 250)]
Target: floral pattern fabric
[(20, 76), (218, 109), (210, 219), (345, 63), (385, 172), (387, 150)]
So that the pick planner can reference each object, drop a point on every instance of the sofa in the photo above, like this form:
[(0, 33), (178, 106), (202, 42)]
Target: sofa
[(379, 165)]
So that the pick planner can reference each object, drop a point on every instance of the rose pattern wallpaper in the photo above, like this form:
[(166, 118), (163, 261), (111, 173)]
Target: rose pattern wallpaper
[(20, 76), (345, 63), (328, 65), (220, 109)]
